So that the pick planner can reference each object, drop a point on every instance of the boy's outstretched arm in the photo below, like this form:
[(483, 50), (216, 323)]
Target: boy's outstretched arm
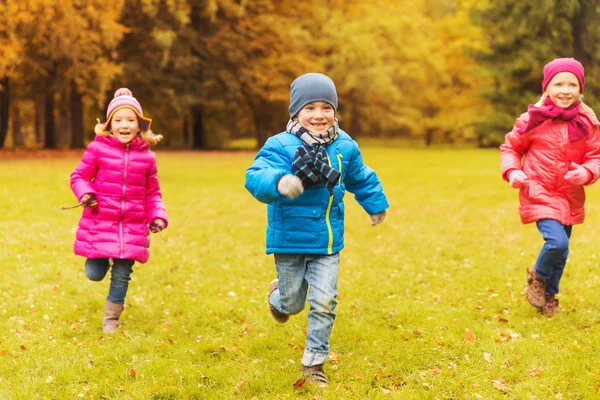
[(270, 164), (366, 186)]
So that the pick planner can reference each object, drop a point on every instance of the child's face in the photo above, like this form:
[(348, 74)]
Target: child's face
[(316, 117), (124, 125), (563, 89)]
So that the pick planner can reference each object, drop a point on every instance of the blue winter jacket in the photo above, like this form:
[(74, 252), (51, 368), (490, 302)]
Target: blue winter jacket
[(312, 223)]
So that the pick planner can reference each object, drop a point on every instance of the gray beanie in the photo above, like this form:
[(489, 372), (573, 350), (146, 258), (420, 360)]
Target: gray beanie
[(311, 87)]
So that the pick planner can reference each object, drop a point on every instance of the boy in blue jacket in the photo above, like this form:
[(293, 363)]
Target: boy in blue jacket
[(302, 175)]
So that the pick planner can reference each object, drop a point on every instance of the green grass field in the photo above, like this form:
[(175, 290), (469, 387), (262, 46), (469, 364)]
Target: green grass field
[(431, 302)]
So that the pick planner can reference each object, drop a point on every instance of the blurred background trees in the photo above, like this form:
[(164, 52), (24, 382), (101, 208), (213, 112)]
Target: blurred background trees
[(212, 71)]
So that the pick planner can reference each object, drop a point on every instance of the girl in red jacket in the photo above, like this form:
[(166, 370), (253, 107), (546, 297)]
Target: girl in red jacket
[(552, 152), (117, 183)]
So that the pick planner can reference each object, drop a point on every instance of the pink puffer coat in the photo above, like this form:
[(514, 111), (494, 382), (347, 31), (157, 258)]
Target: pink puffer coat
[(546, 154), (124, 179)]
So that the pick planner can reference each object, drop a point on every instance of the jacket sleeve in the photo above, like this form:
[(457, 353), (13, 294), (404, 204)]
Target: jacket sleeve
[(364, 183), (591, 158), (270, 164), (512, 150), (154, 202), (81, 178)]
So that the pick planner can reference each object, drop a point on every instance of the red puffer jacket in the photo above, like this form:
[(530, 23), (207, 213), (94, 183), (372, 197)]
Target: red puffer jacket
[(124, 179), (546, 155)]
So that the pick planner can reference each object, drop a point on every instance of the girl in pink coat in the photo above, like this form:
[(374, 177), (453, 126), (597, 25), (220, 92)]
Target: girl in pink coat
[(117, 183), (552, 152)]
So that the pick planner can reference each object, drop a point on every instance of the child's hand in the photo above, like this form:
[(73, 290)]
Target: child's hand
[(377, 218), (157, 225), (88, 200), (517, 178), (290, 186), (577, 175)]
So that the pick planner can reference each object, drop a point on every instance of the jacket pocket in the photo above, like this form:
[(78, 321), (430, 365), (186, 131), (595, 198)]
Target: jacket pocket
[(302, 225)]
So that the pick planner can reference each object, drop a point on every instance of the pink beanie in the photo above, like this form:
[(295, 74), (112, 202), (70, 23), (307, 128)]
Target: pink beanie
[(124, 99), (563, 65)]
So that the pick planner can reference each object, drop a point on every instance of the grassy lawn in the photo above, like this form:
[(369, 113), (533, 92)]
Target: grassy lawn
[(431, 302)]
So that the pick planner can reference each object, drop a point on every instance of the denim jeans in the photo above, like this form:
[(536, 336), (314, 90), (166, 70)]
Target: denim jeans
[(296, 273), (553, 256), (96, 269)]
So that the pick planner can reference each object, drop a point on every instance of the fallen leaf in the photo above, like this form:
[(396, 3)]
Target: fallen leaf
[(299, 383), (132, 373), (535, 372), (240, 385), (470, 336), (499, 384)]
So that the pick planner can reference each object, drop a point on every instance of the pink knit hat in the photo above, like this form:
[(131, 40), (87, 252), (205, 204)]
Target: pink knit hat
[(124, 99), (563, 65)]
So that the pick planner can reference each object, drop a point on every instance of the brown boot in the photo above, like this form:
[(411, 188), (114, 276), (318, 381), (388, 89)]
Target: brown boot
[(536, 289), (112, 312), (551, 306), (279, 316)]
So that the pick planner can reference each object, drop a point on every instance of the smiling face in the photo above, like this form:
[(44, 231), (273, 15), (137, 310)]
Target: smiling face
[(124, 125), (564, 89), (316, 117)]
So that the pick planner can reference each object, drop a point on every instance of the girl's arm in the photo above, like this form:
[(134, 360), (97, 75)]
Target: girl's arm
[(591, 158), (514, 147), (364, 183), (81, 178), (154, 202), (270, 164)]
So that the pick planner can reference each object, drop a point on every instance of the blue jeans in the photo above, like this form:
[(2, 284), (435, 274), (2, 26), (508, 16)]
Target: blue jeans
[(551, 262), (296, 273), (96, 269)]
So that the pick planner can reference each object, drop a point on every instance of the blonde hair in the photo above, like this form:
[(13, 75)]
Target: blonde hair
[(148, 136), (588, 108)]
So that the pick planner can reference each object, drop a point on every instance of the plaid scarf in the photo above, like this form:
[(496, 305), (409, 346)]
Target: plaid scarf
[(313, 138), (311, 163)]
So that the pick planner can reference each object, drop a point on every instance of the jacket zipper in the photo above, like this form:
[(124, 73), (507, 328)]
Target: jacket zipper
[(121, 239), (328, 213), (339, 157)]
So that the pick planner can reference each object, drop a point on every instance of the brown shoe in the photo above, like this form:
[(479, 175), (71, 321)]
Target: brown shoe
[(112, 312), (279, 316), (536, 289), (551, 306)]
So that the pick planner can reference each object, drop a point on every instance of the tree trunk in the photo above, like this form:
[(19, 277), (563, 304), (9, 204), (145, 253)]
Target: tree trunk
[(17, 129), (578, 26), (4, 107), (77, 129), (49, 140), (428, 137), (262, 129), (198, 131), (40, 119), (63, 127)]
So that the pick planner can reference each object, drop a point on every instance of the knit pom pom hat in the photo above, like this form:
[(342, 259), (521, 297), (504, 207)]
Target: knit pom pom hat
[(559, 65), (309, 88), (124, 99)]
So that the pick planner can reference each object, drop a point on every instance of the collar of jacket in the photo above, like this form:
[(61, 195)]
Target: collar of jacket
[(135, 144)]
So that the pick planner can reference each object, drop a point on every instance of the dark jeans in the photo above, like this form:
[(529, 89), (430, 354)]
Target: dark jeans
[(96, 269), (553, 256)]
